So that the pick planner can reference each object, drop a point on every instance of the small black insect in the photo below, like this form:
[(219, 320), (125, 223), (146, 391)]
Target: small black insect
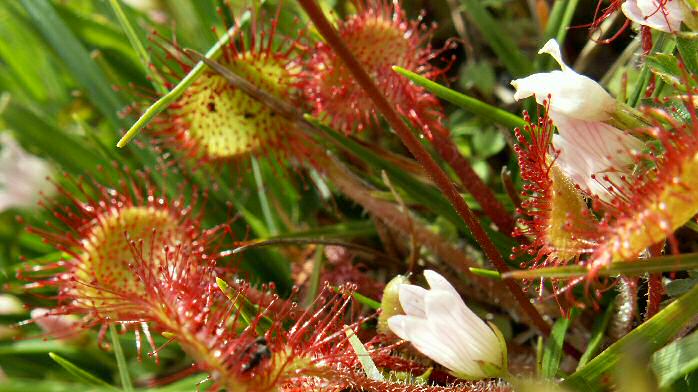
[(256, 352), (211, 107)]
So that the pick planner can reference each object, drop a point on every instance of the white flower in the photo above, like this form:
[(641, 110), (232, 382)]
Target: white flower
[(573, 95), (593, 154), (22, 175), (439, 324), (665, 17)]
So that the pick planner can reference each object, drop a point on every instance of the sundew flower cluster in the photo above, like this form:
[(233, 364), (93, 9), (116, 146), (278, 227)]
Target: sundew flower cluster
[(363, 195)]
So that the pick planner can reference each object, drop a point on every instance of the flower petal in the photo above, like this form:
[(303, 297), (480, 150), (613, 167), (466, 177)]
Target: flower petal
[(397, 324), (553, 48), (412, 300), (652, 13), (433, 345), (571, 94), (471, 337), (591, 148), (437, 282)]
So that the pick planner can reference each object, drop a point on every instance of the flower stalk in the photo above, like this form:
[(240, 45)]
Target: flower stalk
[(417, 150)]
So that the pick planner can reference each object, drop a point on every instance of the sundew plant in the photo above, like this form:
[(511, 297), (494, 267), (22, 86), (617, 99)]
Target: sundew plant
[(349, 195)]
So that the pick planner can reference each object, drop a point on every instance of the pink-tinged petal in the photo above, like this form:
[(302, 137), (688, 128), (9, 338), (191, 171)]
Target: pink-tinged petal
[(598, 139), (651, 13), (591, 151), (412, 300), (575, 166), (471, 337), (55, 324)]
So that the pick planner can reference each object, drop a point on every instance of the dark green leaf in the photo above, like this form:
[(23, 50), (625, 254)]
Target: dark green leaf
[(666, 67), (688, 48)]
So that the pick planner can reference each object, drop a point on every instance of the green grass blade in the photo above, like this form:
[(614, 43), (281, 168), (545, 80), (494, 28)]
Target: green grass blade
[(167, 99), (566, 21), (688, 48), (37, 346), (79, 373), (137, 46), (676, 360), (192, 27), (686, 261), (663, 44), (507, 51), (487, 273), (365, 359), (364, 300), (263, 199), (559, 21), (558, 24), (552, 353), (126, 384), (348, 229), (24, 55), (249, 312), (470, 104), (76, 58), (597, 334), (15, 384), (653, 334), (314, 285)]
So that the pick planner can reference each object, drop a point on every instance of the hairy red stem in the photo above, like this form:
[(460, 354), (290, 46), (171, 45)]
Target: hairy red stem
[(655, 289), (474, 184), (417, 150)]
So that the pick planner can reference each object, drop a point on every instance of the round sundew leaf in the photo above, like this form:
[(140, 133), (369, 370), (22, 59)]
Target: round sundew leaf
[(377, 42), (666, 211), (103, 271), (225, 122), (567, 208)]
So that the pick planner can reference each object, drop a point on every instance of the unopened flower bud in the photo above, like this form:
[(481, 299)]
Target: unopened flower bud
[(439, 324), (390, 303)]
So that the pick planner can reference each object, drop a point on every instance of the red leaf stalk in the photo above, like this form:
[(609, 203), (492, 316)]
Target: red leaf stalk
[(414, 146)]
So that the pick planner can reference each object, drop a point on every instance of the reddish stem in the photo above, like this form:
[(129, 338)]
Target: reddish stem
[(414, 146), (473, 183), (655, 289)]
